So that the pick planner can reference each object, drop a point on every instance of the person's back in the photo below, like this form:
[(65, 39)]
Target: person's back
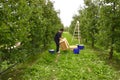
[(57, 39), (57, 36)]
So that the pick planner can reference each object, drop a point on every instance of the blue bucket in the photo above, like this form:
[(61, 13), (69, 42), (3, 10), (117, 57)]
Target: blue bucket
[(76, 51), (80, 47), (52, 51)]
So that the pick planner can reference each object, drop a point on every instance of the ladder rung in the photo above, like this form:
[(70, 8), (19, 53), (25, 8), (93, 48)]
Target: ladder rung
[(77, 31), (77, 37), (76, 34)]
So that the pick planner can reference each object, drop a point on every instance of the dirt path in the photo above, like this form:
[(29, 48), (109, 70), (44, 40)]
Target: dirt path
[(57, 57)]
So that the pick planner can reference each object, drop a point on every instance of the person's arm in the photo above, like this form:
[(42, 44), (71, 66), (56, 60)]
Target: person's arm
[(61, 37)]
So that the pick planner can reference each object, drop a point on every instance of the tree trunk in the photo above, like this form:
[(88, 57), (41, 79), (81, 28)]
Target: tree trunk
[(92, 42), (86, 41), (112, 37), (111, 53)]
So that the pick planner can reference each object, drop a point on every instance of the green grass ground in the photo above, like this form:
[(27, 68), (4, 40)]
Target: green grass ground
[(90, 64)]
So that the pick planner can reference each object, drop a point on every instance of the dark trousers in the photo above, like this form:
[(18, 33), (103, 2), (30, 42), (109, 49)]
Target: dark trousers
[(57, 45)]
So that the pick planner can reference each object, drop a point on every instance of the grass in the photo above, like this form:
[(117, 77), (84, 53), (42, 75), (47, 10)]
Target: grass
[(90, 64)]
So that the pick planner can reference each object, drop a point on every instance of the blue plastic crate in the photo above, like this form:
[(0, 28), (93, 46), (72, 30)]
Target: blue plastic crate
[(76, 51), (80, 47), (52, 51)]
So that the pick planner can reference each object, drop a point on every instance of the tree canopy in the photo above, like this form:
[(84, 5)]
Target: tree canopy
[(99, 24)]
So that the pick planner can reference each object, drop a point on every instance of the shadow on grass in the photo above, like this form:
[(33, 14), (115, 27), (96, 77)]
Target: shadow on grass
[(104, 56), (13, 74), (65, 52), (16, 72)]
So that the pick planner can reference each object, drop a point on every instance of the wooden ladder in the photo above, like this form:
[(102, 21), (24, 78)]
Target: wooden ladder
[(76, 33)]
